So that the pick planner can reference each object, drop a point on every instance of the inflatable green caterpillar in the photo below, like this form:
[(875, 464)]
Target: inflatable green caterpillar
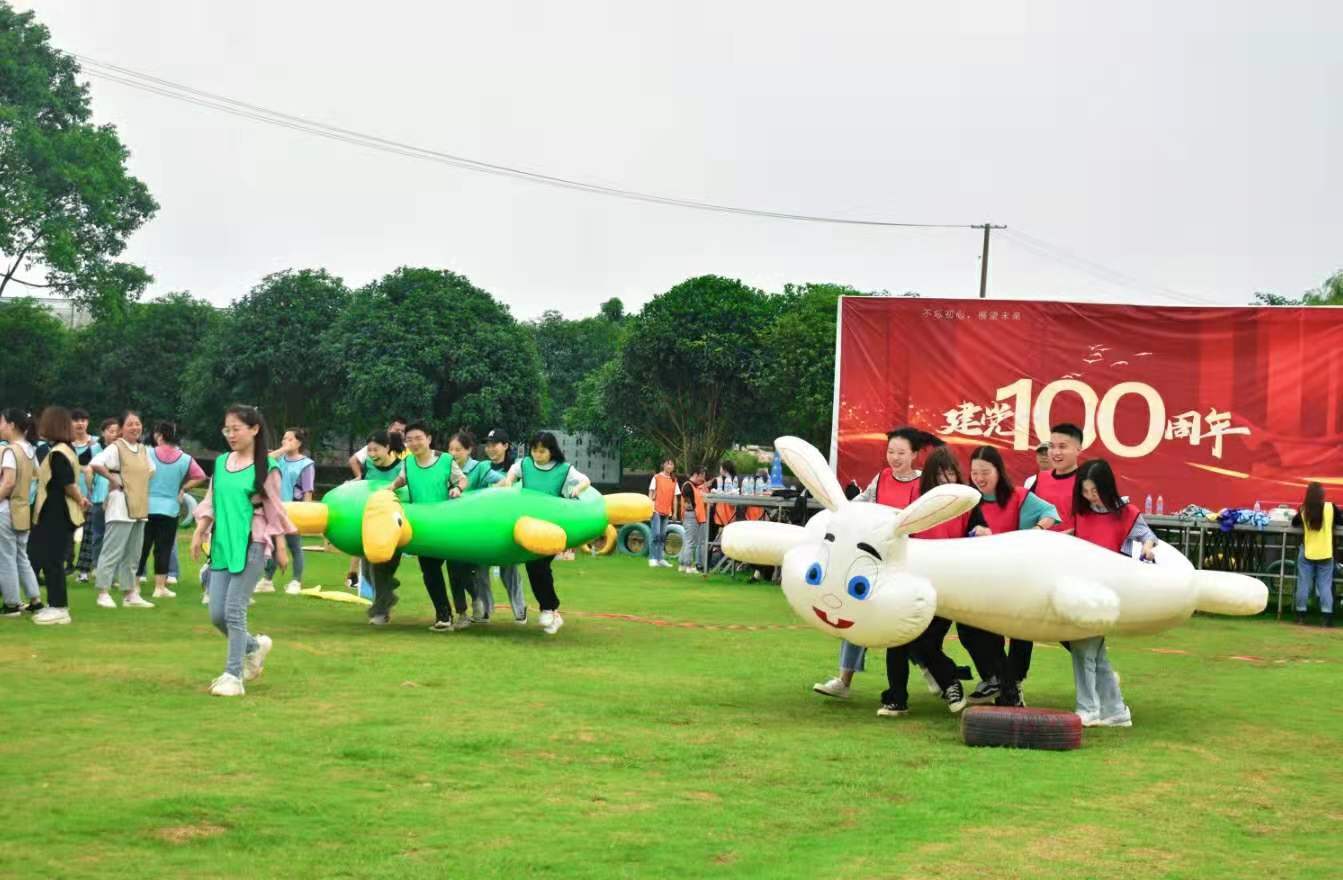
[(485, 527)]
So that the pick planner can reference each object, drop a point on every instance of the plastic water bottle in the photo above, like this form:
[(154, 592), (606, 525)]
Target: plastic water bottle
[(1147, 506), (1160, 505), (751, 488), (776, 471), (1257, 508)]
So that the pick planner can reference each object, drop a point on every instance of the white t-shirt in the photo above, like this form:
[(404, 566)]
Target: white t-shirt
[(115, 508), (570, 481), (361, 455), (7, 463), (653, 485)]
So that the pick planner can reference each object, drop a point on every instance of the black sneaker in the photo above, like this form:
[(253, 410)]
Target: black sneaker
[(984, 692), (34, 606), (352, 583), (892, 710), (1009, 696), (11, 611), (442, 625), (1301, 618), (954, 697)]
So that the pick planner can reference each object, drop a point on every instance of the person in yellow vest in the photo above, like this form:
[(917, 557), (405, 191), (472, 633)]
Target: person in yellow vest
[(664, 491), (18, 476), (127, 467), (59, 511), (1315, 560)]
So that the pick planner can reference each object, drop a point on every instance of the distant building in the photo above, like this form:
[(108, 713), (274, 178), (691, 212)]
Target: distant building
[(71, 314)]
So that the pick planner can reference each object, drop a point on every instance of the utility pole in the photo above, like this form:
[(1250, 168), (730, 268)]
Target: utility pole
[(984, 261)]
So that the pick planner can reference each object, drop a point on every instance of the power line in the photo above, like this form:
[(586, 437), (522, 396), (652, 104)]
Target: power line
[(1042, 248), (179, 92)]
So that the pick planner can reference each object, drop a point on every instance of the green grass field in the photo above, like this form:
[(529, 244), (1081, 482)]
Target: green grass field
[(668, 730)]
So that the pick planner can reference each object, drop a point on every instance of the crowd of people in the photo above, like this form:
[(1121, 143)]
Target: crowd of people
[(129, 497)]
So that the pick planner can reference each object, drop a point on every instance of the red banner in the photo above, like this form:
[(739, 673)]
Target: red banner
[(1213, 406)]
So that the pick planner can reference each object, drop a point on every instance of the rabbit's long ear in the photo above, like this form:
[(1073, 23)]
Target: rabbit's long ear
[(807, 463), (761, 543), (941, 504)]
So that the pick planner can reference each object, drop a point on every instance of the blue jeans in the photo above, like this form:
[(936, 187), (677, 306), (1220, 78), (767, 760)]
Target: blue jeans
[(294, 543), (852, 657), (484, 593), (229, 595), (1317, 575), (1098, 692), (658, 537)]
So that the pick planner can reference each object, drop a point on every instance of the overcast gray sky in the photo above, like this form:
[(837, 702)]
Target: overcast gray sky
[(1193, 146)]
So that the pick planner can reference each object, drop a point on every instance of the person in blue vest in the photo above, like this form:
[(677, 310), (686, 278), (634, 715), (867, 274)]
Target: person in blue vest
[(500, 457), (545, 470), (297, 477), (174, 474)]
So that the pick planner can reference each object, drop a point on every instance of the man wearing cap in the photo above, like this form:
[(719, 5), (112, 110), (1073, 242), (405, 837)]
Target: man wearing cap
[(500, 456)]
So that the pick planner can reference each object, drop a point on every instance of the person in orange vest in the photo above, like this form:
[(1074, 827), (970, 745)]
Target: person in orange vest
[(695, 520), (664, 491)]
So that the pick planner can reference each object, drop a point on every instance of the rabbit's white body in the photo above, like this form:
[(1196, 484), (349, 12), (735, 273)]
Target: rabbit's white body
[(854, 573)]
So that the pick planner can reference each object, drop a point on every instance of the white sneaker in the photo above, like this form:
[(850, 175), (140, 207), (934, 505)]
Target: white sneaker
[(205, 598), (104, 600), (164, 593), (1088, 720), (255, 662), (49, 615), (293, 588), (265, 585), (553, 626), (546, 618), (1123, 719), (462, 621), (143, 578), (664, 563), (227, 686), (652, 563), (172, 581), (82, 577), (135, 600), (835, 687), (931, 681)]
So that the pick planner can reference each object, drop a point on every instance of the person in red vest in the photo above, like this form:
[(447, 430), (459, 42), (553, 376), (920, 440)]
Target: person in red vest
[(896, 485), (664, 491), (1105, 519), (1057, 485), (695, 520), (940, 468), (1004, 508)]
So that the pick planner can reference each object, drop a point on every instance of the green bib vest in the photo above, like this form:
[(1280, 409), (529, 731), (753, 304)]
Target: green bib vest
[(375, 474), (428, 484), (548, 482), (231, 492), (477, 474)]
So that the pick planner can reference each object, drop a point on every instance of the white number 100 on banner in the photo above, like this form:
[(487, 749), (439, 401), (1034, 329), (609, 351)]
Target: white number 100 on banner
[(1098, 418)]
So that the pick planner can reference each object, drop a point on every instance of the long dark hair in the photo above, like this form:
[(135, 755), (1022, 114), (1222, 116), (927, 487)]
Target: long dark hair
[(1005, 490), (1098, 471), (251, 417), (547, 440), (1312, 509), (168, 431), (915, 438), (23, 420), (939, 460)]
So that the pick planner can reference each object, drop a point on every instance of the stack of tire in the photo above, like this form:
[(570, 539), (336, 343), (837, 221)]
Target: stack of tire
[(636, 538)]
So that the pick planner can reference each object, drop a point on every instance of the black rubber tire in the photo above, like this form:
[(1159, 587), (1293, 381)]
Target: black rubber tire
[(633, 539), (674, 541), (1021, 727)]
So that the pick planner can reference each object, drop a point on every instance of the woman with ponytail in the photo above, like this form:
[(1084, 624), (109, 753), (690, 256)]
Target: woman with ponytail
[(241, 517), (18, 478), (896, 485)]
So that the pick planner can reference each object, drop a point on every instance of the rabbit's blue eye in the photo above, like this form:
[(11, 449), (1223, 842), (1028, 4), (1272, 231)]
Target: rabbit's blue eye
[(860, 587), (814, 574)]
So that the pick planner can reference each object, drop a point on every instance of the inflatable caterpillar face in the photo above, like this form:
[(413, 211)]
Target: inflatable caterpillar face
[(846, 573), (851, 584)]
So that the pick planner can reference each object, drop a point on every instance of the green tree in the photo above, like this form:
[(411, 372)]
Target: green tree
[(140, 360), (613, 310), (797, 372), (67, 203), (570, 350), (1330, 293), (426, 343), (685, 375), (36, 348)]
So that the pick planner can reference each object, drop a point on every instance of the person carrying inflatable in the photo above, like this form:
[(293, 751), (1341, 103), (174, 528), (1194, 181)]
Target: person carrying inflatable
[(499, 456), (429, 477)]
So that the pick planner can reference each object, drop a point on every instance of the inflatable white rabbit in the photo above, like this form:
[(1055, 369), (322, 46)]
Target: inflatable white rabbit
[(853, 572)]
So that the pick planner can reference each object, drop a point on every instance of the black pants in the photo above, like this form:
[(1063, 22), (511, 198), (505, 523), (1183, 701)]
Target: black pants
[(160, 533), (48, 545), (432, 569), (542, 580), (929, 646), (991, 661)]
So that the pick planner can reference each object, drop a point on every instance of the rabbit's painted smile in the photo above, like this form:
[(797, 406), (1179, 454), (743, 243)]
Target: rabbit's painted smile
[(837, 623)]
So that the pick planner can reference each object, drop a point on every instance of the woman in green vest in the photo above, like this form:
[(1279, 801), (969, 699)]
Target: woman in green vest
[(429, 476), (547, 472), (477, 475), (1315, 561), (383, 465), (241, 516)]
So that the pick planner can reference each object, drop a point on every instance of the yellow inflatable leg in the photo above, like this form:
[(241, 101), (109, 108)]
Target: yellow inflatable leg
[(309, 517), (539, 537), (628, 507)]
